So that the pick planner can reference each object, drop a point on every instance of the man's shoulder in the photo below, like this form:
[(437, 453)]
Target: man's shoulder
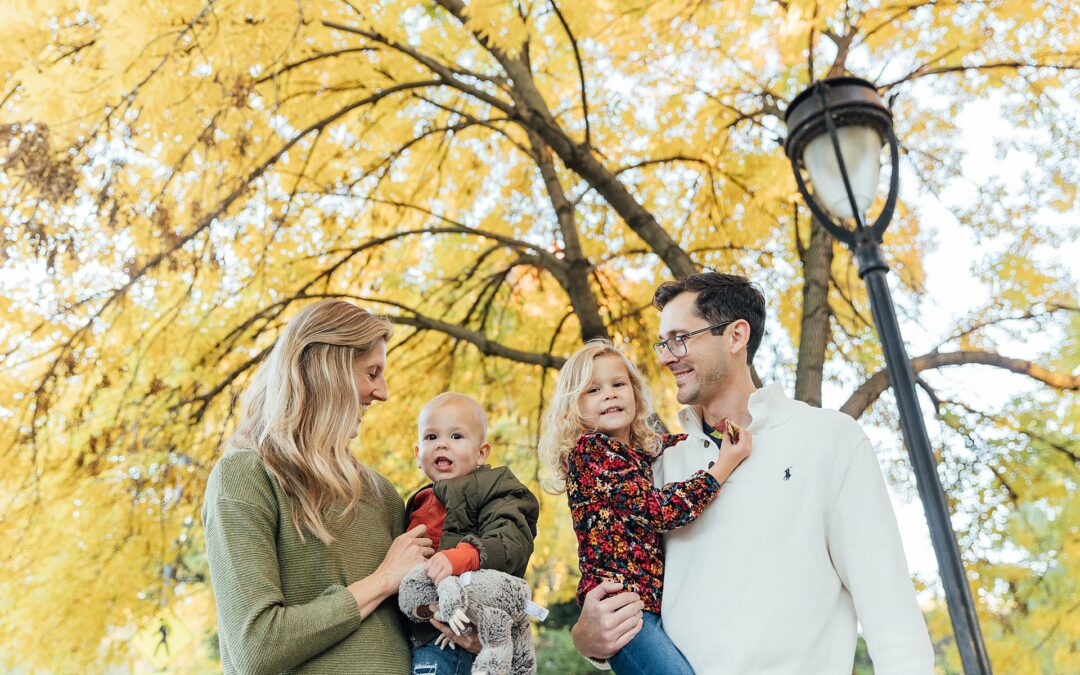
[(825, 419)]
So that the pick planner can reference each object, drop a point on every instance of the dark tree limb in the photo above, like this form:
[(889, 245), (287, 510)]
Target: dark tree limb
[(531, 111), (871, 389)]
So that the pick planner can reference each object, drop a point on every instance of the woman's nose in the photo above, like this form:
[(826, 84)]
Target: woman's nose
[(379, 392)]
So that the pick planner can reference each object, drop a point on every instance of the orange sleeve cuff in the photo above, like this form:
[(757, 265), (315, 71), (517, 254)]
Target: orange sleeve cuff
[(463, 558)]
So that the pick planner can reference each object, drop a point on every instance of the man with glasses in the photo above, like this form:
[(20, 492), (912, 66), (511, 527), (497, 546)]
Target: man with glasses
[(801, 543)]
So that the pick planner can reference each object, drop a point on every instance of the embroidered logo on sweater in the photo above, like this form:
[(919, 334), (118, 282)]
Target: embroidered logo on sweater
[(787, 473)]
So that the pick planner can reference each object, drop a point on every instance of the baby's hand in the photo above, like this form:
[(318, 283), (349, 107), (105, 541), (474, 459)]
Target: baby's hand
[(438, 567)]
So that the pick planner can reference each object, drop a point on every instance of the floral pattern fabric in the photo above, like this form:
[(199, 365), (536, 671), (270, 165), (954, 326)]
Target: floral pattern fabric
[(619, 516)]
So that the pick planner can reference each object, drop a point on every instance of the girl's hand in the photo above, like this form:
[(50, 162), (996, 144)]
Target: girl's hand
[(407, 551), (438, 567), (732, 453)]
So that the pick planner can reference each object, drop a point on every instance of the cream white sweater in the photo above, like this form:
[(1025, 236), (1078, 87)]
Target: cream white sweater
[(800, 544)]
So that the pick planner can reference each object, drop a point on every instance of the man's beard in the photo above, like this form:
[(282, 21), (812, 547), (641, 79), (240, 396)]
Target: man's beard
[(707, 383)]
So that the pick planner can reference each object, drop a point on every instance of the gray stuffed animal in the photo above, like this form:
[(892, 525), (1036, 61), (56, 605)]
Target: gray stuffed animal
[(494, 602)]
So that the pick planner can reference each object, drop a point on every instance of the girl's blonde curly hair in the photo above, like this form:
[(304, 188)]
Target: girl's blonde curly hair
[(564, 423)]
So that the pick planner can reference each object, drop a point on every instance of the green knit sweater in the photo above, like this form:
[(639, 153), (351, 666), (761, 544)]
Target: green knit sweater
[(282, 603)]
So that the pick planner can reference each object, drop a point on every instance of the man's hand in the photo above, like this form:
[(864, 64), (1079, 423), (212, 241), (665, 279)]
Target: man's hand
[(470, 642), (608, 621), (438, 567)]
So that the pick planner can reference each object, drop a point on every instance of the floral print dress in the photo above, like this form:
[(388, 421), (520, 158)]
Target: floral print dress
[(619, 517)]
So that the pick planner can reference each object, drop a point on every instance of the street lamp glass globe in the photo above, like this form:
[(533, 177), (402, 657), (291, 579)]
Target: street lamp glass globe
[(861, 149)]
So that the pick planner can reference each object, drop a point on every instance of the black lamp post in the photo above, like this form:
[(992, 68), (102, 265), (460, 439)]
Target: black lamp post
[(836, 130)]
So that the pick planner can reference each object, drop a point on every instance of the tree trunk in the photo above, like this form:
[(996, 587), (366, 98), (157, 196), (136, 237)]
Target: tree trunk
[(578, 267), (815, 329)]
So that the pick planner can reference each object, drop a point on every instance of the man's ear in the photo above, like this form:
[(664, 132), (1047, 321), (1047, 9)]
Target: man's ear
[(740, 336), (485, 450)]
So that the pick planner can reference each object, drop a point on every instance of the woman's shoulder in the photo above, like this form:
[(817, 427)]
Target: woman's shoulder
[(238, 461), (384, 490), (240, 475)]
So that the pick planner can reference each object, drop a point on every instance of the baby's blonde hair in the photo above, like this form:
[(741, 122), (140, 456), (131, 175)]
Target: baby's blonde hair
[(454, 398), (564, 423)]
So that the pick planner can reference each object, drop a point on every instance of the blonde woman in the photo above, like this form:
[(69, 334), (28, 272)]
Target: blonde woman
[(599, 448), (304, 542)]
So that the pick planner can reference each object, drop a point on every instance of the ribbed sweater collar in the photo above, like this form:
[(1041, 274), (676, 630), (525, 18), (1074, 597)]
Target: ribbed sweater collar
[(769, 407)]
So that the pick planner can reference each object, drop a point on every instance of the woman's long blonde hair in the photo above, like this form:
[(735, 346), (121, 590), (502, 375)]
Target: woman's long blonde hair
[(302, 406), (564, 423)]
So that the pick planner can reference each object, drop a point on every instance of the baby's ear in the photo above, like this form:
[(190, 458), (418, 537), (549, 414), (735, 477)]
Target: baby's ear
[(485, 451), (416, 455)]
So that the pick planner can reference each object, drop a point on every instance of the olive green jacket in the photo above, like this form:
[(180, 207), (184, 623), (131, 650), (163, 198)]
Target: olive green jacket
[(492, 510)]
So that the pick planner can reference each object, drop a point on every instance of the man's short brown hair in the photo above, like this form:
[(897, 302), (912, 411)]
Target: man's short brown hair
[(721, 297)]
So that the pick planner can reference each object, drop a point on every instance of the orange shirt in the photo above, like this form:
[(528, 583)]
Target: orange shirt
[(428, 510)]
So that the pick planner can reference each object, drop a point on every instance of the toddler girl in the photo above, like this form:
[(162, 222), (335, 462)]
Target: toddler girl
[(598, 445)]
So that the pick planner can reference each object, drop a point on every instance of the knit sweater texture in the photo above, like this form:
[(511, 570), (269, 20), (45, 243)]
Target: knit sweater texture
[(282, 603), (800, 544)]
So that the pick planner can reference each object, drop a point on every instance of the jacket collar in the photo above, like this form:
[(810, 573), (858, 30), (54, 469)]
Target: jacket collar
[(769, 407)]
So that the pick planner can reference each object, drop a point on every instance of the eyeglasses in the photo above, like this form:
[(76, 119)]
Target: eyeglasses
[(677, 343)]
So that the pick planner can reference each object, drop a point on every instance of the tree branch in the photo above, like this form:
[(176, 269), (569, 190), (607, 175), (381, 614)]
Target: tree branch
[(487, 346), (924, 71), (580, 69), (531, 111), (576, 280), (447, 73), (871, 389)]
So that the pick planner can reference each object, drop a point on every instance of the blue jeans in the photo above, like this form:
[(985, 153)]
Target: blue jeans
[(428, 659), (650, 652)]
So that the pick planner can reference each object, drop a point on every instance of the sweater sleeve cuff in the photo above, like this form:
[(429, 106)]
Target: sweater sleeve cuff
[(344, 605), (463, 558)]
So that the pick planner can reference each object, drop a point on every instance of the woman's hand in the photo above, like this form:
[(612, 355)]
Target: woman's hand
[(736, 448), (407, 551)]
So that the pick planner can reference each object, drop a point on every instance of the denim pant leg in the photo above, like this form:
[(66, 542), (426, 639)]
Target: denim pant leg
[(428, 659), (651, 652)]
